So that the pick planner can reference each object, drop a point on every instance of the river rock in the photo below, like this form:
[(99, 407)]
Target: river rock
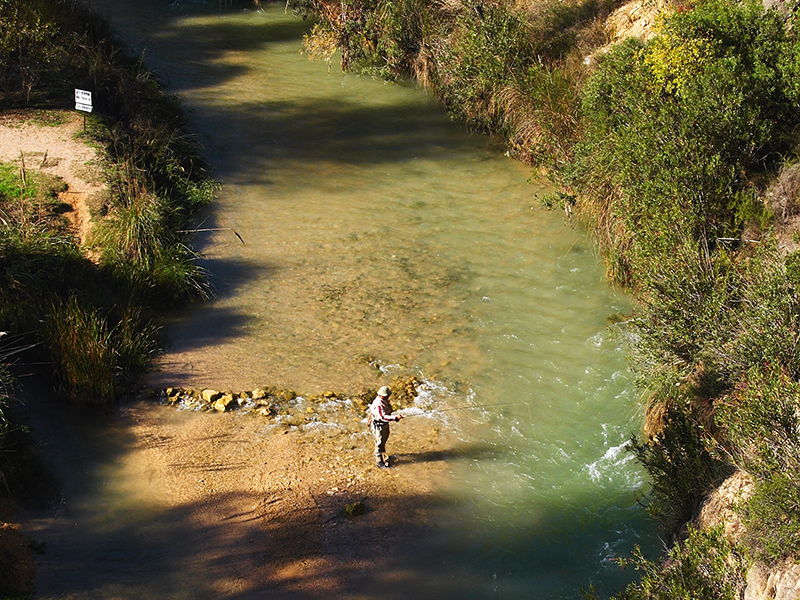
[(210, 395), (258, 394), (777, 583), (264, 411), (222, 404)]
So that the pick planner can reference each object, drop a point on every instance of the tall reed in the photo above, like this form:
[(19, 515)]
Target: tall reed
[(80, 342)]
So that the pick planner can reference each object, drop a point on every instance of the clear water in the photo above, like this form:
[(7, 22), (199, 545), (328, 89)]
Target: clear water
[(378, 233)]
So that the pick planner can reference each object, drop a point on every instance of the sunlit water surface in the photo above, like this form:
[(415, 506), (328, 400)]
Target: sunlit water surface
[(381, 240)]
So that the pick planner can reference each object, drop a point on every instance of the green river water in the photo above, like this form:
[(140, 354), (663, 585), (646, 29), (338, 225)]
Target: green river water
[(382, 240)]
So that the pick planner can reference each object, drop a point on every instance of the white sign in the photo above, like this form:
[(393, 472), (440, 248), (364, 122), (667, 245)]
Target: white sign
[(83, 100)]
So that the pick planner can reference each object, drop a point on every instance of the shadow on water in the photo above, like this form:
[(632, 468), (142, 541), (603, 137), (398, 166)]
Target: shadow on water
[(475, 451), (215, 322), (331, 131)]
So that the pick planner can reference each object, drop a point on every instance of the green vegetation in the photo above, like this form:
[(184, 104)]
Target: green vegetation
[(680, 153), (93, 320), (704, 565)]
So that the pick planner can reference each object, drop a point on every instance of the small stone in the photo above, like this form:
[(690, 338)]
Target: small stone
[(222, 404), (210, 395), (355, 509), (258, 394)]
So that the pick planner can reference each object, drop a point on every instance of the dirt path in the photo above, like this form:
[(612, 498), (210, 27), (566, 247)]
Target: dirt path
[(48, 142)]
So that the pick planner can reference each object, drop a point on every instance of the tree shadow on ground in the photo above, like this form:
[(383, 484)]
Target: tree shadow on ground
[(264, 543)]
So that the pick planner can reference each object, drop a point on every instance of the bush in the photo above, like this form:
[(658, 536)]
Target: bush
[(772, 519), (683, 464), (675, 126), (704, 566), (762, 417), (80, 342)]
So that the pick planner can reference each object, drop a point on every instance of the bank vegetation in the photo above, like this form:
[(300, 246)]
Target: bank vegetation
[(86, 312), (678, 147)]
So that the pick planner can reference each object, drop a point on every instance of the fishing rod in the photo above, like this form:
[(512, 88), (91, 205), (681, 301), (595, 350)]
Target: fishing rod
[(464, 408)]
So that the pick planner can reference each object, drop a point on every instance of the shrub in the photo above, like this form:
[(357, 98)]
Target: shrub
[(677, 144), (762, 417), (683, 464), (704, 565), (772, 518), (29, 36), (80, 342)]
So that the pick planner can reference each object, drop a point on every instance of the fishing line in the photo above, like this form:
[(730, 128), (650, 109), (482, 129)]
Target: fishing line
[(466, 408), (441, 410)]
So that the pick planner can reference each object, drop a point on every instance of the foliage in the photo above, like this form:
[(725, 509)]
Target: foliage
[(683, 464), (29, 33), (704, 565), (763, 425), (684, 312), (679, 158), (772, 519), (81, 345)]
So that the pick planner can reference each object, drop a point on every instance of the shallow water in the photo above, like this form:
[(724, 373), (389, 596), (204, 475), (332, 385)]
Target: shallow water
[(381, 240)]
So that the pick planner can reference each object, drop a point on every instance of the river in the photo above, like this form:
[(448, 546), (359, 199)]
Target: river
[(380, 240)]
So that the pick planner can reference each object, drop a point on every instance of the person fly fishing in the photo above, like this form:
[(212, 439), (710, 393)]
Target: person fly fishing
[(379, 417)]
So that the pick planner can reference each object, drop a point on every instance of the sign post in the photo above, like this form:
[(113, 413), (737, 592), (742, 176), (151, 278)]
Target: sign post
[(83, 102)]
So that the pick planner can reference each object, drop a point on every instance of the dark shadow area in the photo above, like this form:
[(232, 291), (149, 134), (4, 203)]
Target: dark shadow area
[(209, 325), (330, 130), (469, 452)]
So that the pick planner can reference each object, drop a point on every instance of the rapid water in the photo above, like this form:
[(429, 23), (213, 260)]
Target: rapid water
[(382, 240)]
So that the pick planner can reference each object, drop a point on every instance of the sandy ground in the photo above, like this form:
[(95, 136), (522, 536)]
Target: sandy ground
[(166, 503), (230, 507)]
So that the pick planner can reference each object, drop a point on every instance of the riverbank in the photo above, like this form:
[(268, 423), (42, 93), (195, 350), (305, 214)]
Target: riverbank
[(223, 505)]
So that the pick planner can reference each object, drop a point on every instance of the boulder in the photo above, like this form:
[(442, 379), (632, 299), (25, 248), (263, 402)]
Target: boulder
[(264, 411), (719, 507), (221, 404), (781, 582)]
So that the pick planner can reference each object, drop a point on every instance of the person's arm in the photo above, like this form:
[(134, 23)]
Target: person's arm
[(384, 417)]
